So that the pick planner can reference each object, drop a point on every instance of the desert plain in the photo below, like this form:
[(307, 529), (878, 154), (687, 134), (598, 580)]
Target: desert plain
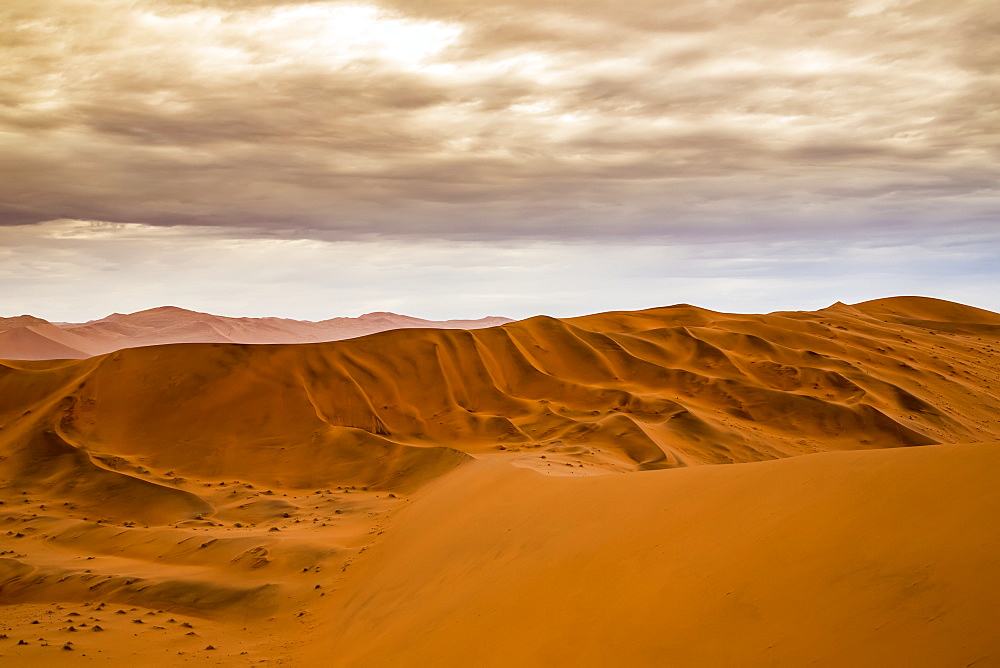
[(667, 487)]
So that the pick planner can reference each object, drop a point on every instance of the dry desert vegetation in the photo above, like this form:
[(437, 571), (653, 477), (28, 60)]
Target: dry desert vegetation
[(669, 487)]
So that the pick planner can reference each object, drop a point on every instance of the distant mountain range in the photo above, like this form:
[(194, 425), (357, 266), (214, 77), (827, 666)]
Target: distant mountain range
[(29, 338)]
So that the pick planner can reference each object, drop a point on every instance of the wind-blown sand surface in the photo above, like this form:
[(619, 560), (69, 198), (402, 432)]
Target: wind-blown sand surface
[(531, 493)]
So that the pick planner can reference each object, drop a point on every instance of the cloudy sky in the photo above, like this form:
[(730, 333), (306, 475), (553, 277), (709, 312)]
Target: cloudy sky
[(450, 158)]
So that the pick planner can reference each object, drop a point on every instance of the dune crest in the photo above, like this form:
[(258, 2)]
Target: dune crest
[(654, 389)]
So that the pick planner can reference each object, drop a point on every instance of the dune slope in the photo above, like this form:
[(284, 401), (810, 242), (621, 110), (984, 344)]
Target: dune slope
[(862, 558)]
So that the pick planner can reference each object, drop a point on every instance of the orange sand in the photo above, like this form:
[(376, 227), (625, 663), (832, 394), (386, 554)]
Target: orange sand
[(530, 493)]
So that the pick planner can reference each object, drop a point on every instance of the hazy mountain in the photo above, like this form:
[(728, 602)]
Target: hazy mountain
[(29, 338)]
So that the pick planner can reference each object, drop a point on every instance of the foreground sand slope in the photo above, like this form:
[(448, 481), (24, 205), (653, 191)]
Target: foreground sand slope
[(873, 558), (869, 558)]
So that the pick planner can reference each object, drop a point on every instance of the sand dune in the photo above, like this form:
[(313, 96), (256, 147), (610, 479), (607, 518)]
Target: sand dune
[(835, 559), (534, 489), (30, 338)]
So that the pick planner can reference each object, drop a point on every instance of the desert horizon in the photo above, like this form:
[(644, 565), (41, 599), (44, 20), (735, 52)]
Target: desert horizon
[(627, 487)]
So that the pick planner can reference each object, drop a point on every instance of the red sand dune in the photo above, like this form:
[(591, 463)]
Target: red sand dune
[(29, 338), (528, 493)]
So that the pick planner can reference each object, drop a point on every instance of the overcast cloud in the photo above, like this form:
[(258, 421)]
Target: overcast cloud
[(542, 127)]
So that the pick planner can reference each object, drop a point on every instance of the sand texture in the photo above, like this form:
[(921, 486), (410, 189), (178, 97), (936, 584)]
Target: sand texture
[(673, 486)]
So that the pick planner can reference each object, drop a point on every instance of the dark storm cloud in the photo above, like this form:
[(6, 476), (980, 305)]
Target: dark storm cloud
[(559, 119)]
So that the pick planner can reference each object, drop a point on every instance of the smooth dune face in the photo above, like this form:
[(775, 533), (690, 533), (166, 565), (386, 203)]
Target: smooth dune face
[(532, 491), (835, 559)]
